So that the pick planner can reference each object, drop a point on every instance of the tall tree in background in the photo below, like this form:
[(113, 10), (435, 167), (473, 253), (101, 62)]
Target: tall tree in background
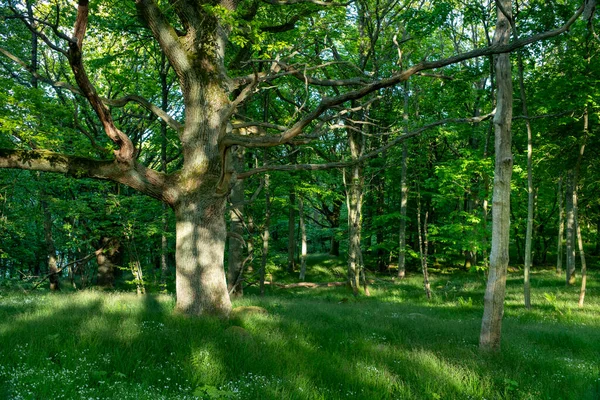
[(491, 325)]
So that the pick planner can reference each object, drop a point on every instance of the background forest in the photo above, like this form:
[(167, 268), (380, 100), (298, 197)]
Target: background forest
[(385, 189)]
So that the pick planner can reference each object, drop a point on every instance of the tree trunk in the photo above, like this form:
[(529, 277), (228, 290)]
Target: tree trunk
[(235, 262), (200, 277), (403, 194), (265, 234), (561, 227), (304, 247), (334, 220), (530, 194), (597, 250), (423, 247), (108, 257), (164, 266), (491, 325), (581, 251), (50, 249), (292, 231), (354, 183), (570, 268)]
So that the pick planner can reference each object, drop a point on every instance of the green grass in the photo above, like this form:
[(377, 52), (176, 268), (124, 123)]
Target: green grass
[(313, 344)]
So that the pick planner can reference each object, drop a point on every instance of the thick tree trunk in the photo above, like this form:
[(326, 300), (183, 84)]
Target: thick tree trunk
[(200, 277), (491, 326), (561, 227), (304, 245)]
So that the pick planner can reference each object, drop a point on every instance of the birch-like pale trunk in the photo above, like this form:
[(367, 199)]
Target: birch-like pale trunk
[(491, 325)]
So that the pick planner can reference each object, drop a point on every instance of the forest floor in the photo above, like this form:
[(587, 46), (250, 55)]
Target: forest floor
[(311, 343)]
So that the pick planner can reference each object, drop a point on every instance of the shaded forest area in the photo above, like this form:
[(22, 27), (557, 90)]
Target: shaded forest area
[(205, 148)]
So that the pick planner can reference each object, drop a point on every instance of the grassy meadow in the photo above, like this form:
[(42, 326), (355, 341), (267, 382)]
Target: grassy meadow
[(311, 343)]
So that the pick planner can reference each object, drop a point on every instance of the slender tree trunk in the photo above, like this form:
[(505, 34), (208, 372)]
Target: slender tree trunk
[(304, 247), (530, 191), (265, 234), (597, 250), (50, 249), (423, 247), (292, 231), (561, 227), (403, 194), (335, 224), (491, 326), (581, 251), (354, 182), (164, 245), (235, 262), (570, 270)]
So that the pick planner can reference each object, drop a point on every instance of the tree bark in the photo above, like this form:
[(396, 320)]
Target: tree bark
[(403, 194), (334, 220), (292, 231), (491, 325), (354, 183), (235, 262), (530, 191), (561, 227), (108, 257), (54, 279), (581, 252), (304, 245), (265, 234), (423, 247), (164, 266), (200, 277), (570, 268)]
